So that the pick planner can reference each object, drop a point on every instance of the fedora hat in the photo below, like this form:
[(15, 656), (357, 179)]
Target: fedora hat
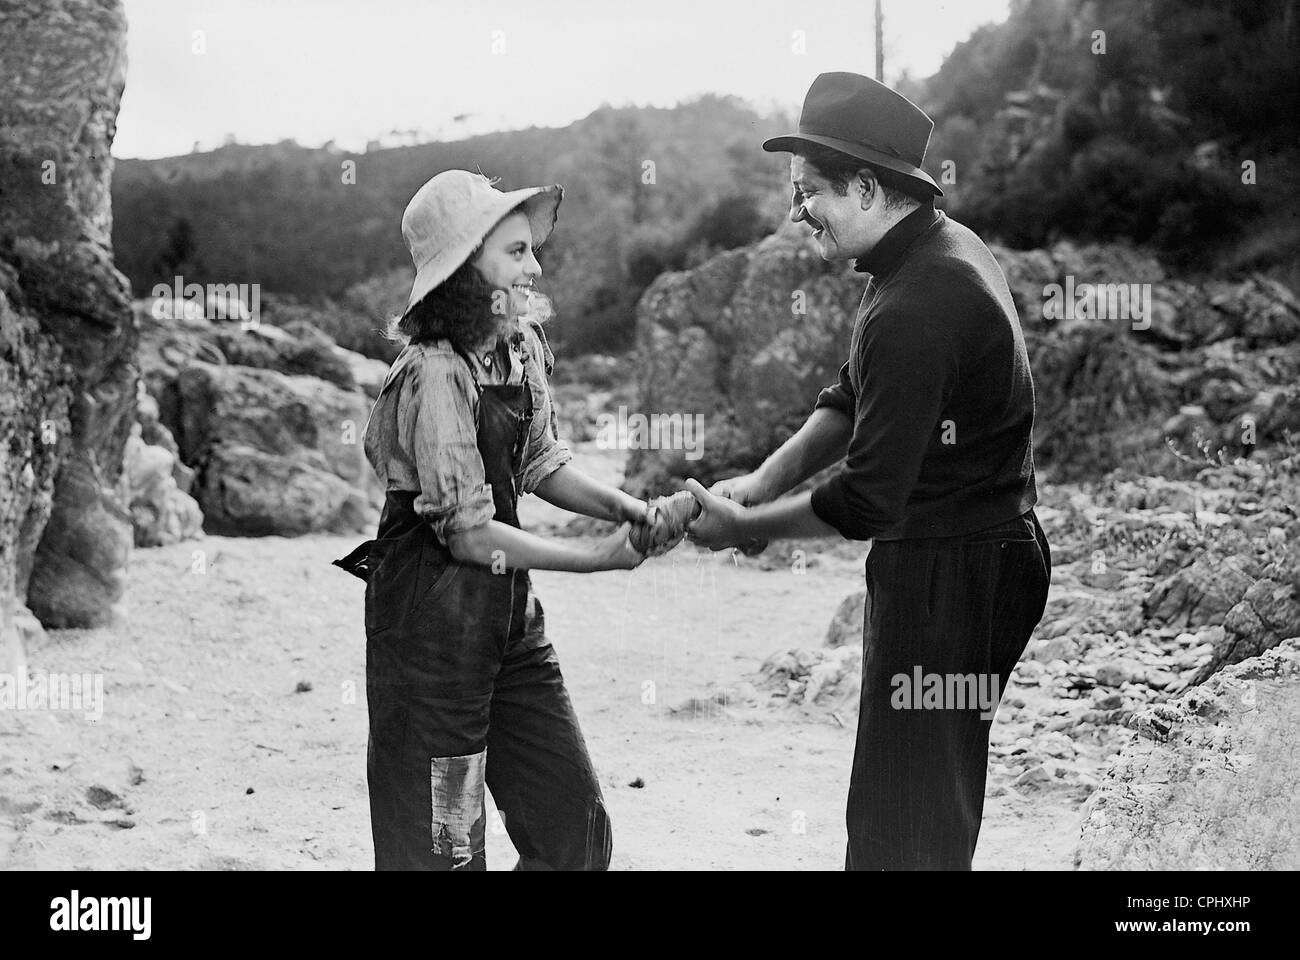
[(865, 119), (451, 214)]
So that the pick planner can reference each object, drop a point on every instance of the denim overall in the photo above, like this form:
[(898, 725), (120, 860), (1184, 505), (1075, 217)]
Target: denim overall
[(464, 689)]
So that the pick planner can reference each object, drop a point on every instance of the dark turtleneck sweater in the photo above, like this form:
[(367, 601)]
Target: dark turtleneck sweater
[(938, 388)]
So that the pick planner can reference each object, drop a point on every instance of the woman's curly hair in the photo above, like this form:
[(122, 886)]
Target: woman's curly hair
[(459, 309)]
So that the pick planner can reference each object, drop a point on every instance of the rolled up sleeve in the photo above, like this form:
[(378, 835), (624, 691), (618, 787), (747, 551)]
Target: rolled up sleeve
[(545, 452), (839, 395), (437, 417)]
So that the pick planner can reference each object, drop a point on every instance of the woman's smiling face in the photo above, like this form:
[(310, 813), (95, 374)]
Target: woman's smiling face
[(507, 261)]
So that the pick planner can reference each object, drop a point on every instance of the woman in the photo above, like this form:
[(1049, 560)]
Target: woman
[(463, 687)]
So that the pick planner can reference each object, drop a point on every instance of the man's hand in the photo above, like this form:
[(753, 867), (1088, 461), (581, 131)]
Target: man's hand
[(748, 490), (717, 527)]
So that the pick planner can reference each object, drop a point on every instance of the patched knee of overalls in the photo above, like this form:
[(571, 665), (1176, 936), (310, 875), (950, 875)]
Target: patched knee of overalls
[(458, 812)]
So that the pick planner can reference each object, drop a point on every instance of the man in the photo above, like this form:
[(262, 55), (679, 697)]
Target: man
[(932, 417)]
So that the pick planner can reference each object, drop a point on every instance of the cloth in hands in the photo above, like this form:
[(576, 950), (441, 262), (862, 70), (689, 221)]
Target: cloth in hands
[(666, 525)]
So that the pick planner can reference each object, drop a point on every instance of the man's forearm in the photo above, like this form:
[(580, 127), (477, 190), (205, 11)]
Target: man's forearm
[(823, 440), (785, 519)]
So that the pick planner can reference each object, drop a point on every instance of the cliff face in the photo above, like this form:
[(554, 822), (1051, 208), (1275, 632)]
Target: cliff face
[(67, 337)]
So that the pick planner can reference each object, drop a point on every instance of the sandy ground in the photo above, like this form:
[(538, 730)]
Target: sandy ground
[(233, 731)]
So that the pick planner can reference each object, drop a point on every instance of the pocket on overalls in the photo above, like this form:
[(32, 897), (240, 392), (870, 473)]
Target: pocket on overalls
[(438, 569), (394, 565)]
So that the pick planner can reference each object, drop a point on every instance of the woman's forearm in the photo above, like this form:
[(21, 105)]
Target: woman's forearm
[(571, 489), (499, 544)]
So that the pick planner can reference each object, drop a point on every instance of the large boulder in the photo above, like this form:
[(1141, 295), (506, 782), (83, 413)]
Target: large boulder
[(745, 341), (67, 383), (1213, 783), (275, 454), (249, 492)]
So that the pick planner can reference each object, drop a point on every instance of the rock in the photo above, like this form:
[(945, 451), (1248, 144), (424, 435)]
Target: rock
[(1056, 744), (264, 442), (747, 340), (102, 798), (368, 373), (29, 628), (1214, 783), (829, 678), (79, 576), (1112, 674), (846, 625), (1034, 778), (248, 492), (67, 383), (1201, 594), (161, 513), (296, 349), (1074, 612), (1268, 613)]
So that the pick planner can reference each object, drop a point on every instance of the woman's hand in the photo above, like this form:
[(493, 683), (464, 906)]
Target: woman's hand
[(616, 552)]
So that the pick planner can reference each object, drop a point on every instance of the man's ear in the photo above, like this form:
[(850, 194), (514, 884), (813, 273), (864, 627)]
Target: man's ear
[(868, 186)]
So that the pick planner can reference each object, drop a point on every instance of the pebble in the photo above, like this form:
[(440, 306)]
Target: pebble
[(1111, 674), (1057, 745), (1034, 775)]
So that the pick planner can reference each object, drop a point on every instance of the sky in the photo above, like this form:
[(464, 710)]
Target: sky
[(261, 71)]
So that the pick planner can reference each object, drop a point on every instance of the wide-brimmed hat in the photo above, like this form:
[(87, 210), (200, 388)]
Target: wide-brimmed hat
[(451, 214), (865, 119)]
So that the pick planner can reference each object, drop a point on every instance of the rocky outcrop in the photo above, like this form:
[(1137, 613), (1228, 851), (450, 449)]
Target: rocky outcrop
[(1268, 613), (67, 384), (748, 338), (1213, 783)]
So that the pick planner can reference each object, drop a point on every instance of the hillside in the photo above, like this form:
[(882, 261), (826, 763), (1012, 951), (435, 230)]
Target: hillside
[(281, 215)]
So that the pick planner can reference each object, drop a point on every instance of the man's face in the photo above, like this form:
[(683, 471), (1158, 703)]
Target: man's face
[(845, 228)]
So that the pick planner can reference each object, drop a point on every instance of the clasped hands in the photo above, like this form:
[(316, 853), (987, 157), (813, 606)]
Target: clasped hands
[(710, 518)]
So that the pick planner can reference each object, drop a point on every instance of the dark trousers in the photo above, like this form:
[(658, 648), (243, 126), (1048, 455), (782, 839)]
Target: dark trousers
[(953, 607), (504, 722)]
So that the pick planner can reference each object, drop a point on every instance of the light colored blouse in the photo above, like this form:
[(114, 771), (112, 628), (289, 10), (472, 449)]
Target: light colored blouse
[(421, 432)]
